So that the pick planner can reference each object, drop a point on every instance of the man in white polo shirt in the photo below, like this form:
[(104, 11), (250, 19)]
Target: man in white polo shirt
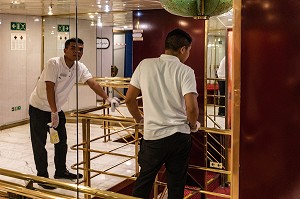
[(168, 88), (49, 95)]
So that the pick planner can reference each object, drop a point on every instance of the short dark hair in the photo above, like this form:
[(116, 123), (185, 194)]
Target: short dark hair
[(67, 43), (176, 39)]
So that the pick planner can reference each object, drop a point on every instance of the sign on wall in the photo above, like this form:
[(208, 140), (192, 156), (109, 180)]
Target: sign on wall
[(102, 43), (18, 41), (18, 26), (63, 28), (137, 35)]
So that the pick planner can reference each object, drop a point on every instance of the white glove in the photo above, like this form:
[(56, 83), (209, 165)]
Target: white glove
[(196, 127), (54, 119), (114, 102), (141, 124), (141, 121)]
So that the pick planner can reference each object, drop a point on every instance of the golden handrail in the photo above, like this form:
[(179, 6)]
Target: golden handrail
[(63, 185)]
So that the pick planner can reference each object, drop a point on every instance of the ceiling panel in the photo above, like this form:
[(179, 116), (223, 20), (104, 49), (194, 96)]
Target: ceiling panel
[(117, 13)]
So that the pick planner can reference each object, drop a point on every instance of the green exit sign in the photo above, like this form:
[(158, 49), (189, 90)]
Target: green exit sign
[(18, 26), (63, 28)]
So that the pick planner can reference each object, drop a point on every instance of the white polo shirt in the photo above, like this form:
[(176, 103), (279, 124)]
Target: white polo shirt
[(163, 82), (58, 72)]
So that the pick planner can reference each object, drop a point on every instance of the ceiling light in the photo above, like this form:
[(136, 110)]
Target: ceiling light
[(99, 23), (106, 8), (50, 10), (15, 2)]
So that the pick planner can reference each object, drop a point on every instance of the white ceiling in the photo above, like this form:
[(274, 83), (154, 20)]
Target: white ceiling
[(116, 13)]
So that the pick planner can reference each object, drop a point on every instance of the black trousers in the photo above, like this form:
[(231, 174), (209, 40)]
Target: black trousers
[(222, 97), (173, 151), (38, 131)]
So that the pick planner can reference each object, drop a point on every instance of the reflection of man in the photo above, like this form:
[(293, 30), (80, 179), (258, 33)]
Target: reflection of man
[(221, 75), (51, 92), (114, 71)]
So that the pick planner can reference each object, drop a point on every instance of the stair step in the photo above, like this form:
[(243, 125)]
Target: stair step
[(192, 194), (212, 180), (220, 189)]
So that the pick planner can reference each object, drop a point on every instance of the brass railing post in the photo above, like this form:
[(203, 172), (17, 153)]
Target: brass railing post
[(136, 151), (86, 153)]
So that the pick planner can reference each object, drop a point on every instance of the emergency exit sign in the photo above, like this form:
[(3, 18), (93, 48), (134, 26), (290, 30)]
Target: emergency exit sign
[(18, 26), (63, 28)]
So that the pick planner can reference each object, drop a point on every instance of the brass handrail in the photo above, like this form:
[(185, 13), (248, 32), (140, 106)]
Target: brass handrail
[(216, 131), (59, 184), (103, 117)]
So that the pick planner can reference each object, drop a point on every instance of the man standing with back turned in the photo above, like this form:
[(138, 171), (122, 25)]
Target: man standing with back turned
[(51, 92), (168, 88)]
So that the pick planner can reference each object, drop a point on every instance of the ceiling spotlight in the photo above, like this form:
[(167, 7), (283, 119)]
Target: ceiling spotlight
[(99, 23), (16, 2), (106, 8), (50, 10)]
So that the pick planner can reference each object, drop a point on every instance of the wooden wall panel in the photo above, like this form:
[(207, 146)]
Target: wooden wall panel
[(156, 24), (270, 97)]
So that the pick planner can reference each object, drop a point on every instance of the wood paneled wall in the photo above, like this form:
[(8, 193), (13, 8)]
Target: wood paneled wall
[(156, 24), (270, 97)]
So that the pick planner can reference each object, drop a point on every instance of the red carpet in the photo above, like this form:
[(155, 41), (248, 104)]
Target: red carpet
[(213, 186)]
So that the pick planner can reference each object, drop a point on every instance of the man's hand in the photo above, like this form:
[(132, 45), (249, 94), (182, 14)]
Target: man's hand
[(196, 127), (54, 119), (114, 102)]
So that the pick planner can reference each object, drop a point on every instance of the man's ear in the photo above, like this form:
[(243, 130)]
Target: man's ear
[(182, 50), (65, 50)]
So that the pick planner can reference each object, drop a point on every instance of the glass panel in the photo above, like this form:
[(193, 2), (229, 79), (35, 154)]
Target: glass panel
[(218, 135), (217, 75)]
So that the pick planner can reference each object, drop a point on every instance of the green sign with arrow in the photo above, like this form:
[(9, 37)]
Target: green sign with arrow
[(18, 26)]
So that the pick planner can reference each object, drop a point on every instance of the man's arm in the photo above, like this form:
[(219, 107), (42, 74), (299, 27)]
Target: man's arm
[(131, 103), (97, 88), (192, 109), (51, 96), (52, 103)]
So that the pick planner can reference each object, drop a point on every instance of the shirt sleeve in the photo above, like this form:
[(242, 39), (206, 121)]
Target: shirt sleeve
[(221, 69), (51, 71), (189, 83), (135, 79), (85, 74)]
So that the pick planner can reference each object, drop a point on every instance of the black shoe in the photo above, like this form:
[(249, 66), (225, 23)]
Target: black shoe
[(67, 175), (46, 186), (221, 114)]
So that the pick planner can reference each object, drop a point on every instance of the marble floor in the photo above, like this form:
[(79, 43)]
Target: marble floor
[(16, 154)]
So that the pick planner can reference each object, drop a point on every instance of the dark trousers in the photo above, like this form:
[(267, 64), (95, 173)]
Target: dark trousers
[(38, 131), (222, 97), (173, 151)]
